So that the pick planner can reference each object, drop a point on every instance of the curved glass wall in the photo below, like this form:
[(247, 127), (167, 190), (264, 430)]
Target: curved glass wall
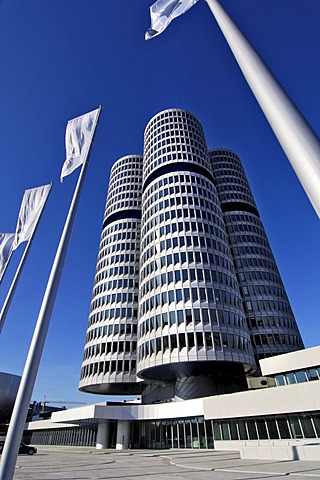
[(109, 361), (270, 319), (191, 320)]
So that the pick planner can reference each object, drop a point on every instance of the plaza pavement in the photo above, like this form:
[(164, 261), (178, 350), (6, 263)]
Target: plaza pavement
[(83, 463)]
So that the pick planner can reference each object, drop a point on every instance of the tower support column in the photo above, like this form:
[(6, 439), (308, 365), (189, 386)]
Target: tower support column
[(123, 435), (103, 434)]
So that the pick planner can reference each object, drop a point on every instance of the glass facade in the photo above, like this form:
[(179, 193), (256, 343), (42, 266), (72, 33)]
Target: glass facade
[(191, 319), (196, 432), (181, 433), (272, 326), (109, 359), (298, 376), (303, 425), (192, 432), (186, 284), (78, 436)]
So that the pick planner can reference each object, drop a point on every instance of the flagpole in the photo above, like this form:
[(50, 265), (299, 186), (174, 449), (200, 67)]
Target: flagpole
[(6, 266), (19, 414), (12, 289), (298, 140)]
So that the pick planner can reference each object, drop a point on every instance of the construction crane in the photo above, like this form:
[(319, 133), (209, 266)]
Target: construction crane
[(45, 402)]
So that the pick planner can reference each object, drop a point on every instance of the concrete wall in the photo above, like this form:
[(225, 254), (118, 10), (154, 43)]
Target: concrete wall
[(299, 360), (300, 397), (272, 449), (278, 450), (131, 411)]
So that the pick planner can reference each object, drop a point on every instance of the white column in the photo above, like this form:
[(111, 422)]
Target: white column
[(123, 435), (299, 142), (103, 434)]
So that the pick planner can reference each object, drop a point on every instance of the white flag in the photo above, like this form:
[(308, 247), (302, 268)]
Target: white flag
[(32, 205), (6, 249), (79, 134), (163, 11)]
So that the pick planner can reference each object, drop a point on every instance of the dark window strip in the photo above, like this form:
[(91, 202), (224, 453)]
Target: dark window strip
[(177, 167), (239, 206), (122, 215)]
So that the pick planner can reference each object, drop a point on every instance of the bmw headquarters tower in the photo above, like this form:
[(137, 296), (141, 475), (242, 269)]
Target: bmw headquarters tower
[(187, 295)]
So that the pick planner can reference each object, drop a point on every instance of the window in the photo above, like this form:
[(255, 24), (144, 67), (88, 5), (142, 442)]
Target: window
[(242, 430), (225, 430), (188, 317), (216, 431), (252, 430), (224, 337), (190, 340), (199, 339), (184, 275), (283, 427), (262, 429), (312, 374), (216, 339), (295, 427), (177, 275), (233, 430), (290, 377), (208, 340), (194, 292), (203, 297), (186, 293), (182, 340), (280, 380), (307, 426), (272, 428), (173, 340), (316, 421), (171, 296), (192, 275), (170, 277)]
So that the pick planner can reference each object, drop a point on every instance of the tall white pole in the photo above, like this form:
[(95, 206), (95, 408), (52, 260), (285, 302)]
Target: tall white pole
[(298, 140), (20, 410), (14, 283), (6, 265)]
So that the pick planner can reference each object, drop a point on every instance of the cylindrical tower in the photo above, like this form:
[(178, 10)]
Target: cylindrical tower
[(109, 361), (270, 319), (191, 319)]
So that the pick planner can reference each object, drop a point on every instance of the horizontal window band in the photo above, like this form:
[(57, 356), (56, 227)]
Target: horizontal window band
[(122, 215), (177, 167), (239, 206)]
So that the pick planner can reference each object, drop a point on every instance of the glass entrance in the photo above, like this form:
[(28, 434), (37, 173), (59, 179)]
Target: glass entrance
[(181, 433)]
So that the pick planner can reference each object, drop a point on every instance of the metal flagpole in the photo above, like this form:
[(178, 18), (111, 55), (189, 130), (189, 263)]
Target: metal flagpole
[(6, 265), (19, 414), (298, 140), (14, 283)]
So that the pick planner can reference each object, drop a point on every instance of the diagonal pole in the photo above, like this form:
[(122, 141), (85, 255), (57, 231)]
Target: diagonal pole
[(6, 266), (20, 410), (298, 140), (14, 283)]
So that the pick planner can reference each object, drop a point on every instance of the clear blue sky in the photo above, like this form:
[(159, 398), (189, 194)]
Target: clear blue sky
[(62, 58)]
